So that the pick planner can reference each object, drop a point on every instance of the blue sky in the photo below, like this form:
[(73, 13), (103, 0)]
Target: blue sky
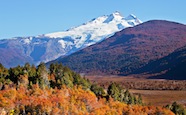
[(35, 17)]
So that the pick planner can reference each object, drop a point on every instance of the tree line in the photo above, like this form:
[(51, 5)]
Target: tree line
[(58, 75), (22, 84)]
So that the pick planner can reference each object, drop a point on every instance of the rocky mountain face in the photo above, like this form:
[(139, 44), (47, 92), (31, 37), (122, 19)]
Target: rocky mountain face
[(47, 47), (129, 50)]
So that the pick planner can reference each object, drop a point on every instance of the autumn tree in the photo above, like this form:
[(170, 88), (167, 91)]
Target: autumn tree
[(75, 94)]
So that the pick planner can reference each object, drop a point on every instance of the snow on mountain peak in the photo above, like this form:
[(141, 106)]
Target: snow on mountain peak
[(102, 23), (94, 31), (131, 17), (113, 16), (107, 18), (117, 13), (74, 39), (132, 20)]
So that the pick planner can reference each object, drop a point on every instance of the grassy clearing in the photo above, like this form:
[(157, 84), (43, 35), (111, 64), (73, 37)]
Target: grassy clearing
[(161, 98), (158, 92)]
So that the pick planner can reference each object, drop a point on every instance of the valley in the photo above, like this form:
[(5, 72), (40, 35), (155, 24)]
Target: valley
[(161, 97), (107, 65), (139, 83), (158, 92)]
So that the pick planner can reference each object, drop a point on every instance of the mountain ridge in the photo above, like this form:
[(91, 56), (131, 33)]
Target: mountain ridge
[(47, 47), (129, 49)]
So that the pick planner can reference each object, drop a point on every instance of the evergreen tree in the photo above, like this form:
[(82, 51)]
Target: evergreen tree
[(3, 73), (14, 73), (113, 91), (139, 100), (42, 74), (98, 91), (178, 109)]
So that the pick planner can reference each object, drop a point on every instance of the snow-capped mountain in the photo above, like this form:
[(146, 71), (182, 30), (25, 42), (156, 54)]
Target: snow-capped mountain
[(95, 30), (50, 46)]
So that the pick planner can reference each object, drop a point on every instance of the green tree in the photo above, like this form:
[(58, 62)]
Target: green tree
[(113, 91), (42, 74), (139, 100), (14, 73), (178, 109), (3, 73), (131, 99), (98, 91), (57, 70)]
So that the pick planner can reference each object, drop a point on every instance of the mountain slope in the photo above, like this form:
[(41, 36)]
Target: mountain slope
[(50, 46), (172, 66), (129, 49)]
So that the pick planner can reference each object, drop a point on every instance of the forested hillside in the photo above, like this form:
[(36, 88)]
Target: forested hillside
[(173, 66), (58, 90), (129, 50)]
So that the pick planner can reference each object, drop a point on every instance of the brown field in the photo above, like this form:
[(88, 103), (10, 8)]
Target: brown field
[(161, 98), (157, 92), (139, 83)]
